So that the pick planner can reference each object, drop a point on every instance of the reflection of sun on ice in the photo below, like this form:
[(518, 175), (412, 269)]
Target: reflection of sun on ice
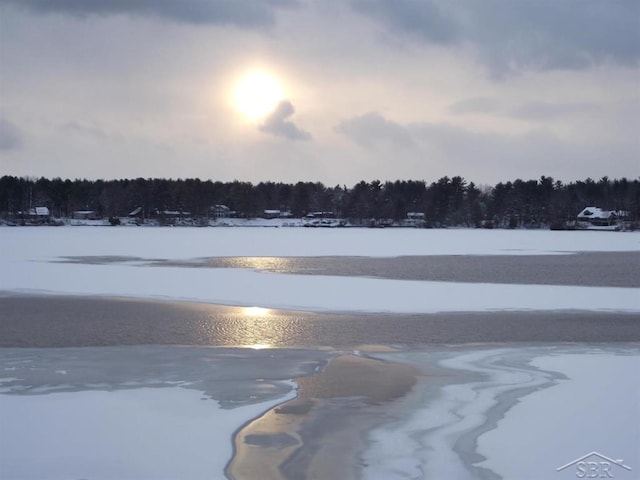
[(257, 95)]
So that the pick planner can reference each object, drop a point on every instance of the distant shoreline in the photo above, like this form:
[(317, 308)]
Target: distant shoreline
[(294, 223)]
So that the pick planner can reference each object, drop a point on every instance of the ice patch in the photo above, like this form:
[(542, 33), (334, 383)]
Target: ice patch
[(135, 433)]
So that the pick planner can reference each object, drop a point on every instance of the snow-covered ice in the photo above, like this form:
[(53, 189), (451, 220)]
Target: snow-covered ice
[(28, 264), (596, 408), (38, 243), (142, 433), (526, 412), (549, 404), (137, 412), (477, 412)]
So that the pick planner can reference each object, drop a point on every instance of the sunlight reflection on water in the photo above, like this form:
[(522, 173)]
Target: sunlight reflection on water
[(251, 327), (256, 311), (273, 264), (258, 346)]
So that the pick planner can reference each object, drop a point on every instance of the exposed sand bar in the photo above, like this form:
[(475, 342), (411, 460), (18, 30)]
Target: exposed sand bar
[(63, 321), (318, 434)]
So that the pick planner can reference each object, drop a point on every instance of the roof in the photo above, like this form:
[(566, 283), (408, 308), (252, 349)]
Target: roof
[(39, 211), (173, 212), (596, 212)]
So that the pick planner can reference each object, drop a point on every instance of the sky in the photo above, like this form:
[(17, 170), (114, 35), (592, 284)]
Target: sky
[(338, 90)]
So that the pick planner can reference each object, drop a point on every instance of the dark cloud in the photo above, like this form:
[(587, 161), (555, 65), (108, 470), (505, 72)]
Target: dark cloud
[(10, 135), (242, 13), (422, 18), (277, 123), (372, 129), (511, 36)]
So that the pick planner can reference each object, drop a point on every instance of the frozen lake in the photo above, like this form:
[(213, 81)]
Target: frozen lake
[(509, 270), (417, 353)]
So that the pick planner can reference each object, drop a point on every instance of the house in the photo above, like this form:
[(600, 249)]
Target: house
[(321, 215), (85, 215), (172, 214), (136, 212), (271, 214), (414, 219), (221, 211), (39, 213), (172, 217), (597, 218), (36, 215)]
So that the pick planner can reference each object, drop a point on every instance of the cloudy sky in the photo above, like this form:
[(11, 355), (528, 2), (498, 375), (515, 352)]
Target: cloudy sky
[(335, 91)]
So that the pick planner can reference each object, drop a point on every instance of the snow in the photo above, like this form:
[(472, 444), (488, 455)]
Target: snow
[(28, 256), (548, 404), (144, 433), (597, 408), (569, 401), (243, 287), (41, 243)]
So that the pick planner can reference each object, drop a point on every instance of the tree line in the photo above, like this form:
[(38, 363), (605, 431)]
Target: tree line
[(444, 202)]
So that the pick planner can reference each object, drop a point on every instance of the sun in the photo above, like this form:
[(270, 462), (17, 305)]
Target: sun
[(257, 94)]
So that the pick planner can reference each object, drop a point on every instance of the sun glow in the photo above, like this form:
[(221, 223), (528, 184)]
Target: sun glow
[(257, 94)]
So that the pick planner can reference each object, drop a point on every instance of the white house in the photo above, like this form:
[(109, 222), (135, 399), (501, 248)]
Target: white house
[(596, 217), (39, 212)]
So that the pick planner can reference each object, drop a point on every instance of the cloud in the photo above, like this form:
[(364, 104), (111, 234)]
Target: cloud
[(526, 111), (550, 111), (278, 125), (246, 13), (511, 36), (10, 135), (445, 149), (422, 18), (476, 105), (372, 130)]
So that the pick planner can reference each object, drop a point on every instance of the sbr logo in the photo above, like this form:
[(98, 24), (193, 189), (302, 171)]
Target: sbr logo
[(600, 466)]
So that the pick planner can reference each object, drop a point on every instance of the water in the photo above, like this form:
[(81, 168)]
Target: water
[(63, 321), (604, 269), (57, 321)]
